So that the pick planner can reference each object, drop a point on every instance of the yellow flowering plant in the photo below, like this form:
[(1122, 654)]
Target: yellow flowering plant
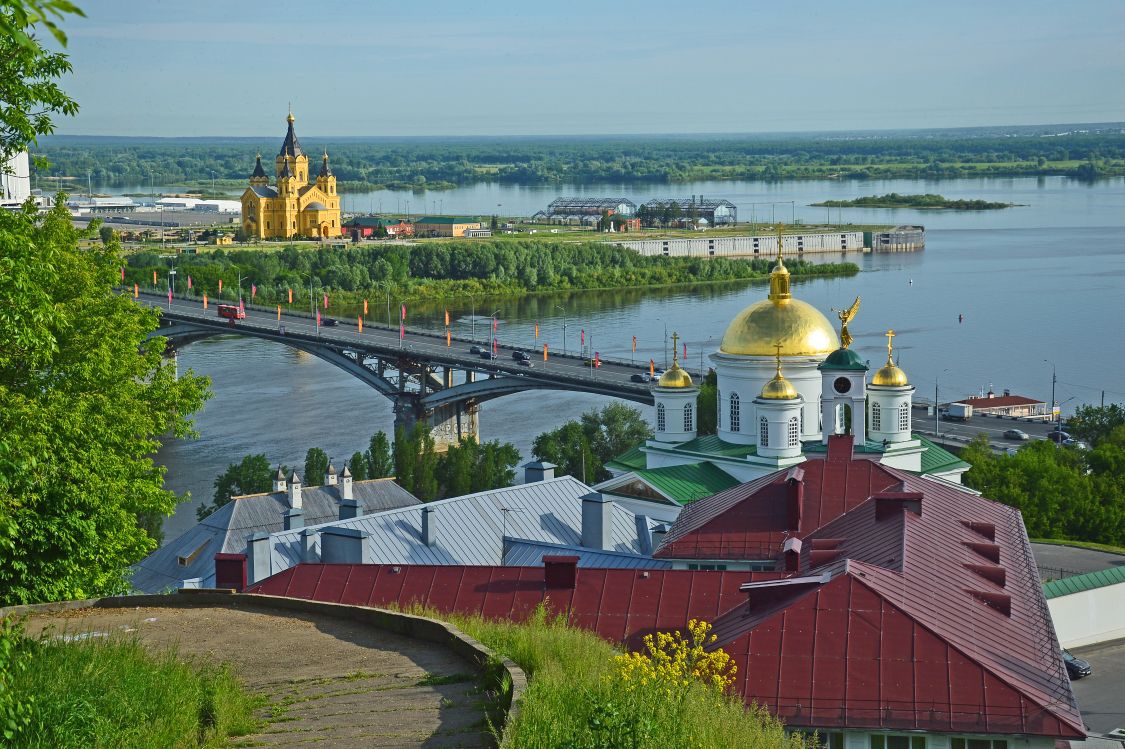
[(674, 661)]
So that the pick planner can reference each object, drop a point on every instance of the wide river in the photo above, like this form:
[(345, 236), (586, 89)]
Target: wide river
[(1037, 285)]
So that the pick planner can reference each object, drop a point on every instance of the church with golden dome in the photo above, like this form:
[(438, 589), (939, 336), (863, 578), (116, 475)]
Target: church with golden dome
[(786, 382), (292, 207)]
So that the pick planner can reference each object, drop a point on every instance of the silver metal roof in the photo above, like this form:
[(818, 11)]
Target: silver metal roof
[(226, 529), (520, 552), (470, 530)]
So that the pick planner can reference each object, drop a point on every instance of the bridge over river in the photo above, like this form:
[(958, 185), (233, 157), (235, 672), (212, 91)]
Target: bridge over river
[(425, 378)]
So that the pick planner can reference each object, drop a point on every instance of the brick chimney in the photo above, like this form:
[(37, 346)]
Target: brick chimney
[(331, 480), (294, 491), (346, 483)]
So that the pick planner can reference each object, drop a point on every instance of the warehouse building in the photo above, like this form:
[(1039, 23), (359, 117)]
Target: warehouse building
[(444, 226), (580, 210), (703, 211)]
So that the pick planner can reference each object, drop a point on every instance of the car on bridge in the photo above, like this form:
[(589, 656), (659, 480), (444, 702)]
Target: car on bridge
[(487, 355), (520, 356), (474, 349), (1017, 434), (330, 322), (1058, 436), (524, 362)]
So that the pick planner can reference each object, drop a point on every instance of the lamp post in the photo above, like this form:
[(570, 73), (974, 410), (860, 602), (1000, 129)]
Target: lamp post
[(162, 229), (492, 342), (664, 343), (473, 304), (564, 326), (212, 181), (1054, 380), (171, 285), (937, 423)]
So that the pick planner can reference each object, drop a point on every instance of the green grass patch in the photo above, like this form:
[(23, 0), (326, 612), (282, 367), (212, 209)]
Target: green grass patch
[(575, 700), (1081, 545), (111, 692)]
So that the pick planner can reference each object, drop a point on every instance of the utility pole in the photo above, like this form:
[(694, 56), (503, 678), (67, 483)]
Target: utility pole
[(936, 417)]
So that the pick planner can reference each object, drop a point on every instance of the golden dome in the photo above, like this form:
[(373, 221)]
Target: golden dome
[(890, 375), (778, 388), (675, 377)]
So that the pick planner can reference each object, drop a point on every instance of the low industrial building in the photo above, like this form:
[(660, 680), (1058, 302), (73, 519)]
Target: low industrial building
[(364, 227), (898, 239), (708, 211), (576, 210), (444, 226)]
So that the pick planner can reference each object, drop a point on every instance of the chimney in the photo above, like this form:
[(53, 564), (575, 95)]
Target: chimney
[(258, 557), (888, 504), (295, 491), (597, 521), (331, 481), (659, 531), (230, 571), (791, 550), (279, 481), (346, 483), (349, 508), (344, 546), (794, 496), (1007, 392), (559, 571), (293, 518), (429, 526), (538, 471), (308, 545)]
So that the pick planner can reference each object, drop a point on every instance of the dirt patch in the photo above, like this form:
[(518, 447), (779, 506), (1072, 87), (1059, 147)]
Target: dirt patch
[(330, 682)]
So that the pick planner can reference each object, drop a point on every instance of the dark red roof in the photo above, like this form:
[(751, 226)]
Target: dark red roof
[(1001, 401)]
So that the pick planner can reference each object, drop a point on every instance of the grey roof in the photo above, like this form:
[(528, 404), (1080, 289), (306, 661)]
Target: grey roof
[(226, 529), (285, 171), (685, 203), (264, 191), (315, 206), (325, 171), (471, 529), (280, 474), (290, 146), (520, 552)]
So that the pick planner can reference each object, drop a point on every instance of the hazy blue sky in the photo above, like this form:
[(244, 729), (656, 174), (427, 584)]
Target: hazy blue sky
[(426, 67)]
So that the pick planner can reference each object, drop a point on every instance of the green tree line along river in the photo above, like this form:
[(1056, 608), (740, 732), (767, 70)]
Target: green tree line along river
[(419, 164), (436, 270)]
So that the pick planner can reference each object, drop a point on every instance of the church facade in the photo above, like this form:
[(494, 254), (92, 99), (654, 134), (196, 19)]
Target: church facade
[(786, 382), (293, 207)]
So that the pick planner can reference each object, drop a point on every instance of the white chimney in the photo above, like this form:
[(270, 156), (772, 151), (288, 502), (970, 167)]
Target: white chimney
[(279, 481), (597, 521), (331, 475), (346, 483), (294, 491)]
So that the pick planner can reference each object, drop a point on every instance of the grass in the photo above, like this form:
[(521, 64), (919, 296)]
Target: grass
[(1081, 545), (574, 699), (113, 693)]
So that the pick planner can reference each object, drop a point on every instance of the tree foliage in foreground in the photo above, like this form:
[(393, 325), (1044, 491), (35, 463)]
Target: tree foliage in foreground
[(1062, 492), (582, 448), (85, 400)]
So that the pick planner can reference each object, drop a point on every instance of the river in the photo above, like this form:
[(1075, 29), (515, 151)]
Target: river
[(1035, 283)]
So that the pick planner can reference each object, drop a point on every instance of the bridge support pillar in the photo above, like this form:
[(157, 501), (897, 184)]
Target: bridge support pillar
[(448, 424)]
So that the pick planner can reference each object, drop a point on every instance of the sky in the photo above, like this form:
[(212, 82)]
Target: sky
[(431, 67)]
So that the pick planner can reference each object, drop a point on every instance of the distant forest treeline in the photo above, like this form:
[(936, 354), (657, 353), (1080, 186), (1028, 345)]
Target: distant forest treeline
[(448, 269), (435, 164)]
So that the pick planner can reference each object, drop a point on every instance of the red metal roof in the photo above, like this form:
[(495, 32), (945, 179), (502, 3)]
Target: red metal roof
[(1001, 401)]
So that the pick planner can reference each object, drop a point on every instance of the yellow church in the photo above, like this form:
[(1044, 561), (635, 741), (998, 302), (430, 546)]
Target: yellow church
[(294, 207)]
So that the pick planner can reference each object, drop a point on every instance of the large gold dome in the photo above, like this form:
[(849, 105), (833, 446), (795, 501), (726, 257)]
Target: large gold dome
[(799, 327)]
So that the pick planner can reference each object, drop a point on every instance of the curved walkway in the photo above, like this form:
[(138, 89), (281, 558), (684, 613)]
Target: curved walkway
[(330, 681)]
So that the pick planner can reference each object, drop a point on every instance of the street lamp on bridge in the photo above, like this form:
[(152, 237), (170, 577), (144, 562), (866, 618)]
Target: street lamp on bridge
[(564, 326)]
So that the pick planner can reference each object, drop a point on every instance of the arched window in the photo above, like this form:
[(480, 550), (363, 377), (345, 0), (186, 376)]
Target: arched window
[(718, 409), (660, 417), (904, 418), (876, 417), (689, 418), (794, 432), (764, 432), (734, 419)]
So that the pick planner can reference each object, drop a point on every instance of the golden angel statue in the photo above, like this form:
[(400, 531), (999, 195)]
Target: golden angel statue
[(846, 316)]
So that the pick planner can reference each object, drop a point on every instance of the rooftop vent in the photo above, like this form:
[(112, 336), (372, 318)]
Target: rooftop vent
[(1001, 602), (988, 530), (792, 553), (888, 504), (990, 572), (991, 552), (794, 496)]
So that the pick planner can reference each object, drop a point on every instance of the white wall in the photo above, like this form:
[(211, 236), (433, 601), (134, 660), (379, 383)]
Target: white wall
[(1089, 617)]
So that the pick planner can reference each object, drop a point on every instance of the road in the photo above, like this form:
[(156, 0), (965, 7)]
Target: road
[(612, 377), (1101, 695)]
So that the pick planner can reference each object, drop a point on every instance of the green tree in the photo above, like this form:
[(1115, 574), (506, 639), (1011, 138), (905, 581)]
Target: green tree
[(241, 235), (379, 461), (405, 456), (706, 405), (613, 430), (251, 475), (456, 468), (1096, 423), (469, 467), (358, 467), (29, 93), (426, 462), (85, 400), (105, 233), (316, 466), (569, 448)]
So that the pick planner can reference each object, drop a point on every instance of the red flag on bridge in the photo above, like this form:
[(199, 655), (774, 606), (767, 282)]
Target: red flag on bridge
[(536, 329), (326, 300), (220, 287), (685, 351), (448, 338), (402, 315), (597, 360), (318, 318), (582, 340), (136, 291), (495, 322), (189, 282), (122, 273), (290, 296), (544, 352), (204, 300), (361, 323), (447, 318), (169, 296), (241, 307), (634, 343), (253, 290), (279, 313), (651, 368), (154, 278), (401, 331), (365, 306)]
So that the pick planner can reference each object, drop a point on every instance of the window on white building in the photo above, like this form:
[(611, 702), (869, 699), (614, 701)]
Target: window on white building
[(876, 417), (764, 432), (959, 742), (689, 418), (660, 417), (794, 432), (718, 409), (889, 741), (824, 739), (734, 417), (904, 418)]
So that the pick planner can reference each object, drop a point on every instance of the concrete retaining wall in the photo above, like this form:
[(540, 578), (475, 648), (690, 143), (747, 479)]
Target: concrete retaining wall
[(1089, 616), (407, 625), (765, 246)]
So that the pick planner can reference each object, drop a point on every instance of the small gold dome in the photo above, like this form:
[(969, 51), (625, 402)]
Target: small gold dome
[(779, 389), (675, 377), (890, 375)]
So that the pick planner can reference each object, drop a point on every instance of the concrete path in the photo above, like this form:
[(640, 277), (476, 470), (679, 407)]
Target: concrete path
[(330, 682)]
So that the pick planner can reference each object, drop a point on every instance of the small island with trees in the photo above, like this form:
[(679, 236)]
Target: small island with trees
[(928, 202)]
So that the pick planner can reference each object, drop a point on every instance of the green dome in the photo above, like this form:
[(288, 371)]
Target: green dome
[(844, 358)]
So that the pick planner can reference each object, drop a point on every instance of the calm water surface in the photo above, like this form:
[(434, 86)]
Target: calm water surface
[(1046, 281)]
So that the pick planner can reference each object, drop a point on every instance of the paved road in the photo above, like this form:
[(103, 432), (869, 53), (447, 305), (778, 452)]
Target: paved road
[(612, 377), (1056, 561), (1101, 695)]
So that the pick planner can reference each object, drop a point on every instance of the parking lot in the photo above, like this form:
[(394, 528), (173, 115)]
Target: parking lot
[(1101, 695)]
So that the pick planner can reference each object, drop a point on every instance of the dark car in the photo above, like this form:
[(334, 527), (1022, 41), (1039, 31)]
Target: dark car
[(524, 362), (474, 350), (329, 322), (1076, 668), (520, 356), (638, 377), (1058, 436), (487, 355)]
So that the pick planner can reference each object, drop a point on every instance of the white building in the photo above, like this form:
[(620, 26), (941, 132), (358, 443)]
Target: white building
[(15, 179)]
